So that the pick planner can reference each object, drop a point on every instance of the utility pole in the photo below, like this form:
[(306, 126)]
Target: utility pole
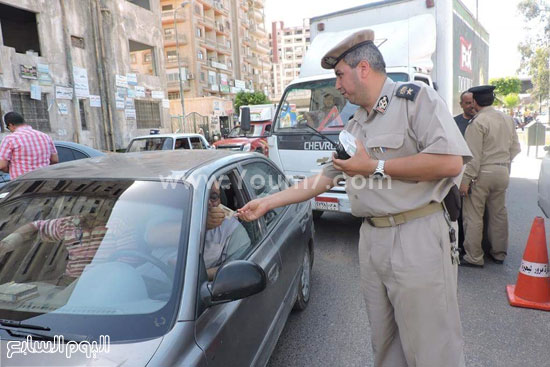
[(182, 119)]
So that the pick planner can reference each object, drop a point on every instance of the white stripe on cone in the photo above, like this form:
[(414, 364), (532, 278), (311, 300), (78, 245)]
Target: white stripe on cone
[(536, 270)]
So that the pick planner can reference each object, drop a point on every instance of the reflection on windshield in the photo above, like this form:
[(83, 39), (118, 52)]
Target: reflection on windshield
[(88, 248), (255, 132), (317, 104)]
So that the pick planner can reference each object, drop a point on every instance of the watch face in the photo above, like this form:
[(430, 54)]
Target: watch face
[(378, 174)]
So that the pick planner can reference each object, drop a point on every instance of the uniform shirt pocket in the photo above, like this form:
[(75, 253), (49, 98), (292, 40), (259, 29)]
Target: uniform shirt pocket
[(385, 146)]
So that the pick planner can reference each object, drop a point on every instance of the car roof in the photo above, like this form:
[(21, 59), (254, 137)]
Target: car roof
[(172, 135), (86, 149), (151, 166)]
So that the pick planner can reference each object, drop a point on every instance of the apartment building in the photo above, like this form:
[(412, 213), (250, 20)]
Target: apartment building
[(289, 46), (219, 47), (84, 71)]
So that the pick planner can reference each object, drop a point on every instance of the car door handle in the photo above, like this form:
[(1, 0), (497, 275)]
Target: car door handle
[(273, 273)]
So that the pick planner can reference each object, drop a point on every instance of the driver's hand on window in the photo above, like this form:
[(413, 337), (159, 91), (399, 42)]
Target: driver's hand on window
[(215, 217)]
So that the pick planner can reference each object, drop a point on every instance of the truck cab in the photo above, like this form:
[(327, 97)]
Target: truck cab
[(255, 139)]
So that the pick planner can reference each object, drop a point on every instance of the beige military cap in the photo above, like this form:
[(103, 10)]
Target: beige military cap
[(348, 44)]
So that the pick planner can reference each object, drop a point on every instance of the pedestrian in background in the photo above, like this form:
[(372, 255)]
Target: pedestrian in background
[(409, 152), (493, 141), (25, 149), (467, 104)]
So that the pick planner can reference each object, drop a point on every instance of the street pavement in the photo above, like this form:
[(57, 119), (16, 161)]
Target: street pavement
[(334, 331)]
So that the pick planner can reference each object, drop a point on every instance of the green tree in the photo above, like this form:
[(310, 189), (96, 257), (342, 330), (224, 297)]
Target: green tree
[(247, 98), (535, 50), (505, 86), (511, 101)]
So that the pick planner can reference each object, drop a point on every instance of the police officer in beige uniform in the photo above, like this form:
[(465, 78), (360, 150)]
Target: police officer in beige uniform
[(409, 152), (493, 140)]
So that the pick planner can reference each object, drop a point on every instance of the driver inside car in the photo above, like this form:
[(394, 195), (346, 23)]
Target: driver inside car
[(226, 238)]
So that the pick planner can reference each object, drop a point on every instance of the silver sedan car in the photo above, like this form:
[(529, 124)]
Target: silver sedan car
[(139, 260)]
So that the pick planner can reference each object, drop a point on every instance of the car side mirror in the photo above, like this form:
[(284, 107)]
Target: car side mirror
[(236, 280), (245, 119)]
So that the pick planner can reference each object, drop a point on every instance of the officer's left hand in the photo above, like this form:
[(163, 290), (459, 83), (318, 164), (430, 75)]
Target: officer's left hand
[(360, 163), (464, 189)]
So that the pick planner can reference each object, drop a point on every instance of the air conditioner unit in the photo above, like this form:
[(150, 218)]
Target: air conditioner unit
[(190, 76)]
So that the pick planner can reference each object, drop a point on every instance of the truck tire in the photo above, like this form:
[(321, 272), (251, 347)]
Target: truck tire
[(317, 214)]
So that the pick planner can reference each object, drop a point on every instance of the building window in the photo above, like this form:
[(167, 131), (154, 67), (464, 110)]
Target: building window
[(197, 9), (19, 29), (140, 51), (199, 32), (169, 32), (147, 114), (34, 112), (167, 7), (172, 56), (82, 108), (203, 77), (142, 3), (173, 95), (200, 55)]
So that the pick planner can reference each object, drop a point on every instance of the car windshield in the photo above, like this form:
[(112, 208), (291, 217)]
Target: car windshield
[(93, 257), (317, 104), (151, 143), (255, 132)]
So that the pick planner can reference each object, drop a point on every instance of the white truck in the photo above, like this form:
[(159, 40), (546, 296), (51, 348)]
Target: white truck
[(436, 42)]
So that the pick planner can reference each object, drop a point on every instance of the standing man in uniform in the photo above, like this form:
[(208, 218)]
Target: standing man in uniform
[(409, 153), (493, 140), (462, 120), (25, 149)]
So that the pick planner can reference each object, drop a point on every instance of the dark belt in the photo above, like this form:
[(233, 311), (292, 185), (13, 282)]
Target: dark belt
[(401, 218)]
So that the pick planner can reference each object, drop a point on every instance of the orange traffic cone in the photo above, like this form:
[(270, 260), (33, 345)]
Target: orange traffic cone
[(533, 286)]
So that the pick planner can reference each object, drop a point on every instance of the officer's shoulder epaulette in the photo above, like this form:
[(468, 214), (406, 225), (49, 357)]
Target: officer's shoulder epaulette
[(408, 91)]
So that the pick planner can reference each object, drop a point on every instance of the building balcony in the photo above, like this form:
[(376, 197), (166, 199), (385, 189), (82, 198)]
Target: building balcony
[(257, 30), (170, 40), (207, 4), (220, 8), (221, 28), (175, 84), (172, 62), (208, 23), (168, 16)]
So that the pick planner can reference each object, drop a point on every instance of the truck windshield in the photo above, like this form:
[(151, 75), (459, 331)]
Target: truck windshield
[(255, 132), (317, 104)]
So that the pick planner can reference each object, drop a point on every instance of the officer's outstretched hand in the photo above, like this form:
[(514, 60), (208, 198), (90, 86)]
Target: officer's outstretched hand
[(360, 163), (253, 210)]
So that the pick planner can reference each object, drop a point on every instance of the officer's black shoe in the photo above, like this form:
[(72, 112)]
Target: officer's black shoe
[(496, 261), (468, 264)]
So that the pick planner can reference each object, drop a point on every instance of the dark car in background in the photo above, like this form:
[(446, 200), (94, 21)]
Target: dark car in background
[(115, 246), (67, 151)]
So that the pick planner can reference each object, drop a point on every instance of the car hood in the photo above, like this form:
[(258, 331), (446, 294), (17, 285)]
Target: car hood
[(111, 355), (235, 141)]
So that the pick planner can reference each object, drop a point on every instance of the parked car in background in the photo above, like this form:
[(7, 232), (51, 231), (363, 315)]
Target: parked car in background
[(167, 142), (142, 278), (67, 151)]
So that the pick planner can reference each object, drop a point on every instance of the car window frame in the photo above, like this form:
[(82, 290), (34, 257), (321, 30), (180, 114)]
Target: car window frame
[(252, 195), (246, 196)]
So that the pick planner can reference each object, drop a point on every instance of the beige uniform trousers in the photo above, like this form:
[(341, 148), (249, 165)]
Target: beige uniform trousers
[(489, 189), (410, 288)]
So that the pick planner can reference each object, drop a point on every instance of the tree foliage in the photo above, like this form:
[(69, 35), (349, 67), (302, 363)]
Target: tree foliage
[(535, 49), (505, 86), (247, 98), (511, 100)]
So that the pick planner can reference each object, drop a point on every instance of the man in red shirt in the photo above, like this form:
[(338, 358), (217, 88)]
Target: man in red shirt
[(25, 149)]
